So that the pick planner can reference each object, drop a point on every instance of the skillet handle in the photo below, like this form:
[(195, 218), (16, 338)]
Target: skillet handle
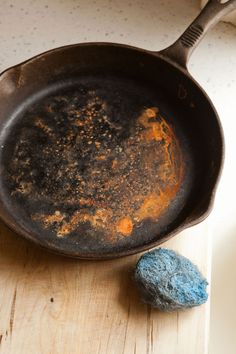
[(179, 52)]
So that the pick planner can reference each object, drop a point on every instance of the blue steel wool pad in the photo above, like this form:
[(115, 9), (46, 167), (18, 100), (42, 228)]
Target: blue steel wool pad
[(169, 281)]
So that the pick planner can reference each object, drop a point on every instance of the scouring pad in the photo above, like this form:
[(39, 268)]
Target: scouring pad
[(169, 281)]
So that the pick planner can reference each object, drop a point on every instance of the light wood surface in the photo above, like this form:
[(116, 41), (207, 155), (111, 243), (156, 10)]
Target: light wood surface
[(55, 305)]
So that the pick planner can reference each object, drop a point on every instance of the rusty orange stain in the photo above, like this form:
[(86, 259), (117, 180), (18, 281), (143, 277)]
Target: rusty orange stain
[(97, 144), (78, 123), (97, 220), (148, 113), (42, 125), (154, 130), (151, 112), (101, 158), (124, 226), (84, 201), (114, 163), (150, 208), (48, 220)]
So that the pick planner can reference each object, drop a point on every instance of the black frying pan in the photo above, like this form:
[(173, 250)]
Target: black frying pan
[(108, 150)]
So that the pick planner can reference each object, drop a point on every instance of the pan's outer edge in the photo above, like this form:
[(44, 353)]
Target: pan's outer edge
[(188, 222)]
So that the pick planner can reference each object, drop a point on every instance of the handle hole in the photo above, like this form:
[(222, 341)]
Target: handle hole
[(223, 1)]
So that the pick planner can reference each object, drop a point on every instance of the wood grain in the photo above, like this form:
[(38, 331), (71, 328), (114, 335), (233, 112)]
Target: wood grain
[(55, 305)]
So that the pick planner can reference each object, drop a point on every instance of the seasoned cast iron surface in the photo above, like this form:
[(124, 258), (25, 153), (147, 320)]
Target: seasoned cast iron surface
[(95, 166)]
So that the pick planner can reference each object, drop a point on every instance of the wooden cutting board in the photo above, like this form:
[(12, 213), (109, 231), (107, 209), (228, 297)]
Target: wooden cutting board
[(55, 305)]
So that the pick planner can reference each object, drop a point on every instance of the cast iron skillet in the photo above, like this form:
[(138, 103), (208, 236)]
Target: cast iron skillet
[(106, 149)]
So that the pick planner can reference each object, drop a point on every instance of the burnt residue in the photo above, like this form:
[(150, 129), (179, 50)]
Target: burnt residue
[(95, 162)]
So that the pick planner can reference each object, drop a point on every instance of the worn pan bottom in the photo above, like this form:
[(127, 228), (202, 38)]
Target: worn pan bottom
[(97, 165)]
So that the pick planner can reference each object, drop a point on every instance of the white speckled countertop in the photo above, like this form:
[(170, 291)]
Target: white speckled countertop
[(28, 27)]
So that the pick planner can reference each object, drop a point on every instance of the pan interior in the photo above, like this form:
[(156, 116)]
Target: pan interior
[(96, 165)]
